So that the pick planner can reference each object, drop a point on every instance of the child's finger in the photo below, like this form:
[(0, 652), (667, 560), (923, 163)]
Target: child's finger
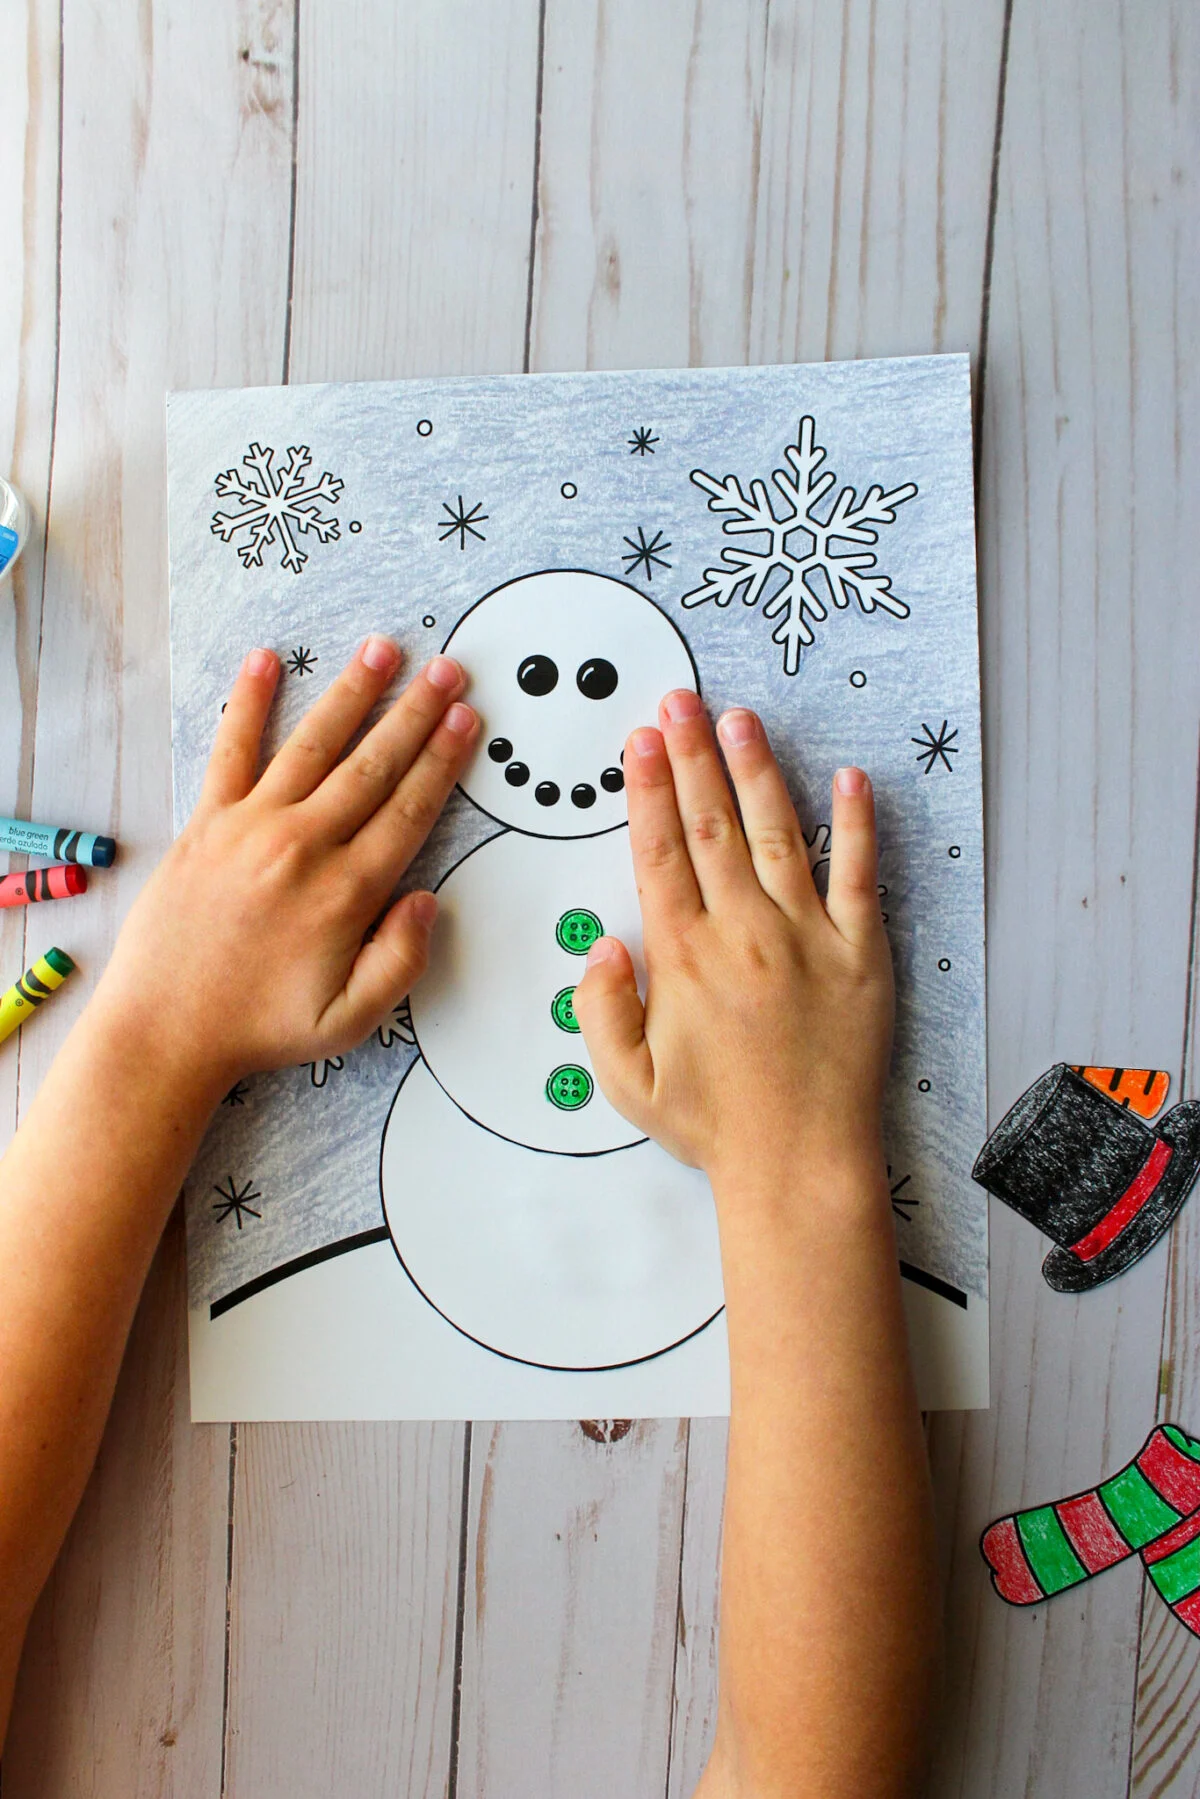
[(314, 746), (384, 970), (391, 838), (233, 766), (613, 1022), (777, 847), (666, 880), (370, 774), (710, 822), (853, 899)]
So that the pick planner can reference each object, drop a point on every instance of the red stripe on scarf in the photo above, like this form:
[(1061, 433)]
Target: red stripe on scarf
[(1091, 1532), (1170, 1472), (1188, 1612), (1011, 1574), (1183, 1533)]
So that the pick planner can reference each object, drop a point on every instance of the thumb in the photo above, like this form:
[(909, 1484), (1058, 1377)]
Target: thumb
[(613, 1022), (385, 968)]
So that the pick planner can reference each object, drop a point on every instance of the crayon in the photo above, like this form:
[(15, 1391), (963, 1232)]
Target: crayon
[(34, 986), (42, 884), (14, 525), (59, 845)]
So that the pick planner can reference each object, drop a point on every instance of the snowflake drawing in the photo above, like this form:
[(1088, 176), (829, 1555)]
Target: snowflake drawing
[(896, 1188), (237, 1094), (816, 547), (645, 552), (278, 503), (399, 1027), (933, 746), (818, 847), (235, 1200), (302, 661), (642, 442), (321, 1069), (461, 522)]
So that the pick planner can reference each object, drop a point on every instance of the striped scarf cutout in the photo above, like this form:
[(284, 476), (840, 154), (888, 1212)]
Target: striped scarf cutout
[(1150, 1507)]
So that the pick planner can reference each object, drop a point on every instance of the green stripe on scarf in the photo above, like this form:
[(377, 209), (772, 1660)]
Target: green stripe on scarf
[(1051, 1557), (1137, 1510), (1177, 1575)]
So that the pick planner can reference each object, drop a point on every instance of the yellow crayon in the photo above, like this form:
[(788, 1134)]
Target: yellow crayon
[(34, 986)]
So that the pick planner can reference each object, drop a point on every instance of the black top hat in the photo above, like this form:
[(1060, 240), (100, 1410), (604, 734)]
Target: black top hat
[(1089, 1174)]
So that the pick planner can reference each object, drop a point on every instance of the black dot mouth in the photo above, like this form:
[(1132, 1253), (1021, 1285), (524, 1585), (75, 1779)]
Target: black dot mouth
[(548, 793)]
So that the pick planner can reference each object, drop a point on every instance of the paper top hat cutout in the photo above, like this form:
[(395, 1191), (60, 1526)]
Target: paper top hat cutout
[(1088, 1173)]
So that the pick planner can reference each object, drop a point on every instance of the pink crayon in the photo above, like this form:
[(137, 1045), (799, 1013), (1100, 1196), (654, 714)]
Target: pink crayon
[(42, 884)]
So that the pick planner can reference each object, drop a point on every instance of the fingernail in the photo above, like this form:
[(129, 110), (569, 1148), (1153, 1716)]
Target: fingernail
[(444, 672), (460, 719), (681, 705), (603, 950), (737, 728), (260, 662), (646, 742), (380, 653), (424, 909), (850, 781)]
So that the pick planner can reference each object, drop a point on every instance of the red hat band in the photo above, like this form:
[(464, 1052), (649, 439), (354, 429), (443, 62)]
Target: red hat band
[(1121, 1216)]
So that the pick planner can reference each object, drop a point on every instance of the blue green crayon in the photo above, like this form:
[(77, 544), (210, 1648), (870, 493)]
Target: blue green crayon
[(59, 845)]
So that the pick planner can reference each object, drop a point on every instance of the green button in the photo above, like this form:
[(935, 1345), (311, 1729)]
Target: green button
[(569, 1087), (578, 930), (562, 1009)]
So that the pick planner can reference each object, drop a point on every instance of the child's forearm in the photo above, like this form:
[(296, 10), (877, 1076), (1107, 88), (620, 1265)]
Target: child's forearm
[(830, 1620), (266, 937), (85, 1188)]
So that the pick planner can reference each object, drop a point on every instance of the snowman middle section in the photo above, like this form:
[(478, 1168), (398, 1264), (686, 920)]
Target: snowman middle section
[(573, 1241), (494, 1016)]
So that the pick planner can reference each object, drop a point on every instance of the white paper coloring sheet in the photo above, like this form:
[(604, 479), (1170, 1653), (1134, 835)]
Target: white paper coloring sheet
[(451, 1221)]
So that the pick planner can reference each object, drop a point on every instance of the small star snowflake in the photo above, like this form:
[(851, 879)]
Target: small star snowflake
[(237, 1094), (323, 1067), (642, 442), (645, 552), (931, 747), (461, 522), (235, 1200), (898, 1205), (801, 546), (302, 661), (399, 1027), (277, 505)]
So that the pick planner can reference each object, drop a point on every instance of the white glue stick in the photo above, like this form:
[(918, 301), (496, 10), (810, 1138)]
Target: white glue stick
[(14, 525)]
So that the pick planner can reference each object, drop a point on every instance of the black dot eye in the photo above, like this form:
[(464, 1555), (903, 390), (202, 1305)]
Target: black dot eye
[(612, 780), (500, 749), (596, 678), (584, 795), (516, 774), (537, 675), (546, 793)]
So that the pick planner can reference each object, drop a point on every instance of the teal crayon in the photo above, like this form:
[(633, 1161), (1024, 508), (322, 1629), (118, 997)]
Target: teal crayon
[(56, 843), (33, 989)]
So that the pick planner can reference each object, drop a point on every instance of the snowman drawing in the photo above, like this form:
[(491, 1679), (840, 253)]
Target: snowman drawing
[(522, 1206)]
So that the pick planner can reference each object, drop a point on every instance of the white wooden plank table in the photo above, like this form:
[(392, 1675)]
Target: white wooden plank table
[(265, 190)]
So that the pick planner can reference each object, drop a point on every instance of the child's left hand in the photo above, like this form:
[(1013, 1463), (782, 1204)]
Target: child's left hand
[(246, 949)]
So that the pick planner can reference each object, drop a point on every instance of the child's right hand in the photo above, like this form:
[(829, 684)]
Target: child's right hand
[(764, 1039), (245, 950)]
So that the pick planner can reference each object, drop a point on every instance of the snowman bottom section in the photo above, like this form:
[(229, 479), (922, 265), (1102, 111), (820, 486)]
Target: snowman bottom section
[(566, 1262)]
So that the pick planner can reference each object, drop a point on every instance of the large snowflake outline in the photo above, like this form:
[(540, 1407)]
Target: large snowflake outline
[(802, 488), (279, 502)]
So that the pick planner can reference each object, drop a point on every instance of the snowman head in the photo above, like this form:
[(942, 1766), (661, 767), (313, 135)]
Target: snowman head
[(561, 667)]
